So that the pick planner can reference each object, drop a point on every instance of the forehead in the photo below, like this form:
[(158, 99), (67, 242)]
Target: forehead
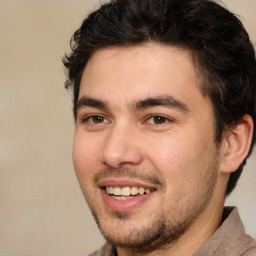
[(128, 73)]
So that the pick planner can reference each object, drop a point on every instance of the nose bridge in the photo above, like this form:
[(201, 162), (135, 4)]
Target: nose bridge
[(121, 146)]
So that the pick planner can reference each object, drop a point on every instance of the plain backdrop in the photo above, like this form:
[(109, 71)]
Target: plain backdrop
[(42, 211)]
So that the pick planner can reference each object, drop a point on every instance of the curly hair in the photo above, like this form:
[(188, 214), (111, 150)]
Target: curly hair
[(223, 54)]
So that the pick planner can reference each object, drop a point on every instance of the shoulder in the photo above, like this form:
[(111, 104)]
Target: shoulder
[(251, 251), (235, 240), (230, 238), (105, 250), (94, 253)]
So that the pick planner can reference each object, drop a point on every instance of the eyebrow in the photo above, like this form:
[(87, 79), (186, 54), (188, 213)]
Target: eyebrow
[(90, 102), (167, 101)]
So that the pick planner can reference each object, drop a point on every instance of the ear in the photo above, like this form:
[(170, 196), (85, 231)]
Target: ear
[(236, 145)]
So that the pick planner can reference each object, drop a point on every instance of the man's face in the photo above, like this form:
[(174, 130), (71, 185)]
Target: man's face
[(144, 150)]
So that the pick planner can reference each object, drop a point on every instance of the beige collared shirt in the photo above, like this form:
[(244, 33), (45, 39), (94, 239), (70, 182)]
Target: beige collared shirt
[(229, 239)]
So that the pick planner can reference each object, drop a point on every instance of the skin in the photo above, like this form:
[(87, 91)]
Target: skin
[(119, 140)]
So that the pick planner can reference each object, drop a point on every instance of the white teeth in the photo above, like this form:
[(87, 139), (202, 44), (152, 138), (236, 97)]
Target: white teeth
[(147, 190), (117, 191), (134, 191), (122, 197), (141, 191), (111, 190), (126, 191)]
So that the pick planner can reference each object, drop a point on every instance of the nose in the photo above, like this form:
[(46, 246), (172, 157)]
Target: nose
[(121, 148)]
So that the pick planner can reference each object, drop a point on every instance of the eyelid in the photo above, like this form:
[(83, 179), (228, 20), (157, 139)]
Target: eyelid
[(85, 119), (167, 119)]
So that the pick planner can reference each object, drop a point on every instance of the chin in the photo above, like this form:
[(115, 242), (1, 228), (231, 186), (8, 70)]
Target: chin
[(137, 236)]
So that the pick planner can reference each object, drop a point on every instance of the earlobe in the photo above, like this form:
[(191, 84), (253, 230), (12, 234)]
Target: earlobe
[(237, 142)]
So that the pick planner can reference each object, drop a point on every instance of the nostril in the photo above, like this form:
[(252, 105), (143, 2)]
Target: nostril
[(123, 157)]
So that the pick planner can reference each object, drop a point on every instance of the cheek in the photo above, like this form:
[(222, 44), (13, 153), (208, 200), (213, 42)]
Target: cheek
[(84, 155), (169, 155), (179, 160)]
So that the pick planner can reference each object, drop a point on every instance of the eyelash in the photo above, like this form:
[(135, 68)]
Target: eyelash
[(161, 119), (87, 118)]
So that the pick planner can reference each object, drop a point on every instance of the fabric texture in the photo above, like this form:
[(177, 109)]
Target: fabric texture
[(229, 239)]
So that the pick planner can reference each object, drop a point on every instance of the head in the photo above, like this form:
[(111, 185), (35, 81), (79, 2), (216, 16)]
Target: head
[(222, 51), (215, 40)]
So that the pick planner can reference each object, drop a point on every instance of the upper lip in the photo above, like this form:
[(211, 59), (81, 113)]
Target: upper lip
[(123, 183)]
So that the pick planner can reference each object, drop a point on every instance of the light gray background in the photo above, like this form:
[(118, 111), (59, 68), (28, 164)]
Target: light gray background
[(42, 209)]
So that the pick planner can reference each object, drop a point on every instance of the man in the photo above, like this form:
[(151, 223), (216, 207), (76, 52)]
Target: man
[(164, 103)]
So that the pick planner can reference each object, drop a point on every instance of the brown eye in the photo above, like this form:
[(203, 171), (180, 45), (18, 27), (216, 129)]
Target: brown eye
[(96, 119), (157, 120)]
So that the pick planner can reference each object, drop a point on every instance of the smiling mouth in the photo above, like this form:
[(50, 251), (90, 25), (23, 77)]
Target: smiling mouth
[(124, 193)]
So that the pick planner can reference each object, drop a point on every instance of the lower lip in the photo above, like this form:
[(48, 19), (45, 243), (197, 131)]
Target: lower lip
[(124, 205)]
